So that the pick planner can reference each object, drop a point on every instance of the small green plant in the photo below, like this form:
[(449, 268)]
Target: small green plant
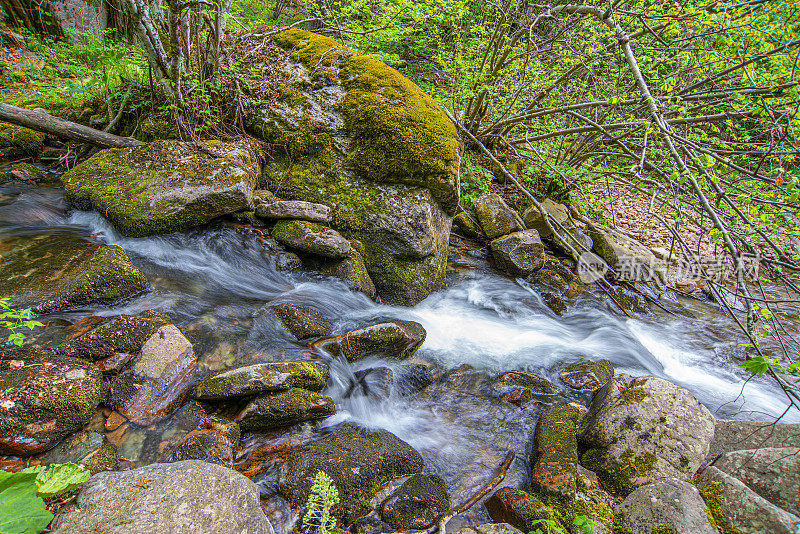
[(15, 320), (324, 496), (22, 494), (474, 182), (548, 526)]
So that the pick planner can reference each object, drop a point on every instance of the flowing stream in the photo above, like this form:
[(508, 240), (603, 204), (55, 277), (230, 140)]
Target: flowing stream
[(215, 282)]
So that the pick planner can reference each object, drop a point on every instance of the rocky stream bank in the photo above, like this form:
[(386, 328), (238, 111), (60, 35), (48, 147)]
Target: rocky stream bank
[(220, 327)]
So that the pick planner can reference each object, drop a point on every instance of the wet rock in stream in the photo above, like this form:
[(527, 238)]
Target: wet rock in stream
[(59, 271), (262, 378), (44, 398), (395, 339)]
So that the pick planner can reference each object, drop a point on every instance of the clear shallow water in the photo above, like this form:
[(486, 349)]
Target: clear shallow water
[(214, 282)]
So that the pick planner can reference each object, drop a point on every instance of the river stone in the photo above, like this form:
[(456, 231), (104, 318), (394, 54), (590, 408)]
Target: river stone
[(43, 399), (396, 339), (668, 503), (625, 254), (412, 378), (158, 381), (519, 254), (164, 186), (262, 378), (519, 509), (176, 498), (358, 460), (294, 209), (587, 375), (490, 528), (556, 212), (284, 408), (353, 271), (773, 473), (312, 238), (302, 321), (365, 141), (89, 450), (215, 442), (555, 459), (416, 504), (469, 227), (95, 338), (375, 382), (742, 435), (369, 525), (734, 505), (59, 272), (641, 429), (495, 216)]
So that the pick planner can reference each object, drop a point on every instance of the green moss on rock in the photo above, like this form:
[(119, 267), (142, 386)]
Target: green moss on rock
[(620, 476), (283, 408), (713, 496)]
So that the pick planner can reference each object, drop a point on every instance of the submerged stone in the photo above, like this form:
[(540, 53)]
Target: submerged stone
[(302, 321), (58, 272), (262, 378), (555, 462), (165, 186)]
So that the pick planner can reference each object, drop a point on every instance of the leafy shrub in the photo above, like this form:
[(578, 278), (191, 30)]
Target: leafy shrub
[(324, 496), (14, 320)]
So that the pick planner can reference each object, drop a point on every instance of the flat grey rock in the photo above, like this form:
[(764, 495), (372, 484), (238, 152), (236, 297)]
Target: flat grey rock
[(177, 498)]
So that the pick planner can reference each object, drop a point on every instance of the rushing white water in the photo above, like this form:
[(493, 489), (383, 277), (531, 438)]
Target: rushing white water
[(215, 282)]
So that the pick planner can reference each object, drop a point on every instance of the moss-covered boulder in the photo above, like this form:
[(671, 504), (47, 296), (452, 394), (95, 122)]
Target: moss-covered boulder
[(373, 146), (165, 186), (587, 375), (495, 216), (555, 458), (43, 399), (416, 504), (519, 254), (283, 408), (352, 271), (668, 505), (21, 141), (88, 449), (302, 321), (96, 338), (641, 429), (294, 209), (311, 238), (58, 272), (262, 378), (469, 227), (359, 461), (519, 509), (395, 339)]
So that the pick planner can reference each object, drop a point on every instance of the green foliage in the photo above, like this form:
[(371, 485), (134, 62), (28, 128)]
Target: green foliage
[(475, 181), (548, 526), (22, 511), (14, 320), (58, 478), (323, 497)]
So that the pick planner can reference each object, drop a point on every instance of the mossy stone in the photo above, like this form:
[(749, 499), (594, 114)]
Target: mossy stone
[(416, 504), (262, 378), (163, 187), (283, 408)]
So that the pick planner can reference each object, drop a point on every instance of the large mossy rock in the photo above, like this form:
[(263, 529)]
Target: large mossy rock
[(189, 496), (59, 272), (667, 505), (43, 399), (359, 461), (165, 186), (641, 429), (95, 338), (415, 505), (372, 146), (262, 378)]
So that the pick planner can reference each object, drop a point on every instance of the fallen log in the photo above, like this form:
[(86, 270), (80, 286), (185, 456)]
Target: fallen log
[(42, 121)]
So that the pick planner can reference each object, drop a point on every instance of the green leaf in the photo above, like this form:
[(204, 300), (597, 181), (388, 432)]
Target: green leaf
[(758, 365), (59, 478), (21, 510)]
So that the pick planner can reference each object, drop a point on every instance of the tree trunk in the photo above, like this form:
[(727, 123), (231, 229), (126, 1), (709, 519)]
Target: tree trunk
[(44, 122)]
